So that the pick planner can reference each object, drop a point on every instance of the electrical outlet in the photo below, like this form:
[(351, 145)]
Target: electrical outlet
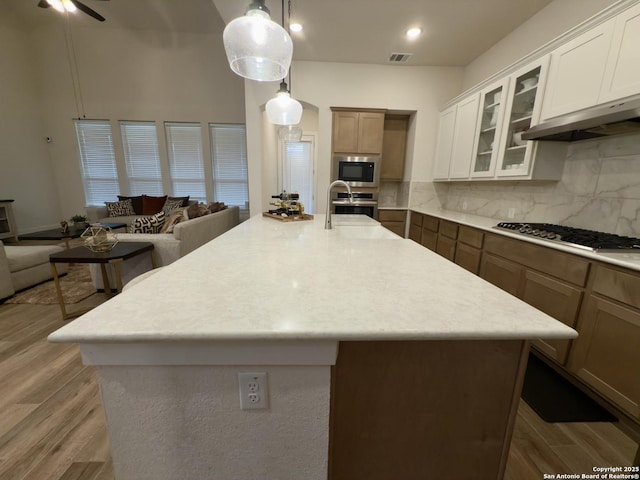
[(512, 212), (254, 391)]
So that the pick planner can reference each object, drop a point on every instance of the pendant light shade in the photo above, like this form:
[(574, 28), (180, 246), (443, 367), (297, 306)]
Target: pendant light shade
[(257, 47), (290, 133), (282, 109)]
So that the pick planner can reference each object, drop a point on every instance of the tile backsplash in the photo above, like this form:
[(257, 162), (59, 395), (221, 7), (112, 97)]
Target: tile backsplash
[(599, 190)]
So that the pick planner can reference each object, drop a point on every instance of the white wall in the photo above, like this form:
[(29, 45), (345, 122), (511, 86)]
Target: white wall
[(25, 168), (124, 74), (325, 85), (552, 21)]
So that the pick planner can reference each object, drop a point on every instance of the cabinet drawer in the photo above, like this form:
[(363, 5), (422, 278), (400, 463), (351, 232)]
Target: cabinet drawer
[(430, 223), (468, 257), (416, 219), (470, 236), (446, 247), (395, 227), (558, 300), (448, 229), (621, 286), (415, 233), (557, 264), (392, 215), (502, 273), (429, 239)]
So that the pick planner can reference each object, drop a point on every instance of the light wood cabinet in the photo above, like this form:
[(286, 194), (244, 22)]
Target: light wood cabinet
[(394, 220), (7, 222), (606, 355), (358, 131), (394, 147)]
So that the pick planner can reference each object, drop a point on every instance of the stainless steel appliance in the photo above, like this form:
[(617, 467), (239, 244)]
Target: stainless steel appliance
[(357, 171), (363, 203), (575, 237)]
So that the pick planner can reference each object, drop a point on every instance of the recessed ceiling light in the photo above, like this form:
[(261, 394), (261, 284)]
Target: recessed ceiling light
[(414, 32), (295, 27)]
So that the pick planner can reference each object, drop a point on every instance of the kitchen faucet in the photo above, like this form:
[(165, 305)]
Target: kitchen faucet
[(327, 222)]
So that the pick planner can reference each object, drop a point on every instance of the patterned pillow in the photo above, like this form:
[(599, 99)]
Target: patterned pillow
[(171, 205), (149, 224), (123, 208)]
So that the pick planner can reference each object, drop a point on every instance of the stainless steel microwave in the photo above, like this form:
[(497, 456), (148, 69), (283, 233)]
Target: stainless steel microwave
[(357, 171)]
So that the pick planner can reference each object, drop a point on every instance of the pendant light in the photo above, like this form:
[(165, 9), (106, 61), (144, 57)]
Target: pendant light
[(257, 47), (282, 109)]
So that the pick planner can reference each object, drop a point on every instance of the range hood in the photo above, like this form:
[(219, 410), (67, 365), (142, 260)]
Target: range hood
[(600, 121)]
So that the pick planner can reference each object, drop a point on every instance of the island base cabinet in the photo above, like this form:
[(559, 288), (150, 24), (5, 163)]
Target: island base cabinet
[(424, 409)]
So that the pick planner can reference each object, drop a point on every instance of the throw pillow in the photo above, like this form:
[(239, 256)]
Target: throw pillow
[(135, 201), (185, 200), (122, 208), (152, 205), (216, 206), (175, 218), (149, 224), (192, 211), (203, 210), (170, 205)]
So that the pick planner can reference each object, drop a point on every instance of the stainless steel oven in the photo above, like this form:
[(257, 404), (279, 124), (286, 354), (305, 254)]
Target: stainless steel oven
[(357, 171), (364, 203)]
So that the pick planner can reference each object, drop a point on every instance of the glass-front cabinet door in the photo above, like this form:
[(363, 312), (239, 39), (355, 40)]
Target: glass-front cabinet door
[(490, 121), (522, 112)]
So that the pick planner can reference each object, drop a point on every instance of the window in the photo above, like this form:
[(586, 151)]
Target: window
[(184, 146), (229, 160), (142, 158), (98, 161)]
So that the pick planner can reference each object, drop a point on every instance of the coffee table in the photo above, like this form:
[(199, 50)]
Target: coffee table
[(121, 252), (58, 234)]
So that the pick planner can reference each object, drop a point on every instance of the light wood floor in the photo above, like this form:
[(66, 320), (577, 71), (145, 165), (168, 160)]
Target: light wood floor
[(52, 423)]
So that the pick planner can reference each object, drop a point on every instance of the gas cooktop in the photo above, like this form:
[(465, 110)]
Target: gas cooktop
[(575, 237)]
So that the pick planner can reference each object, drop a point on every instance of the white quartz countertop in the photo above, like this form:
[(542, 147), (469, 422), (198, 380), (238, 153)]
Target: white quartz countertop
[(270, 280), (627, 260)]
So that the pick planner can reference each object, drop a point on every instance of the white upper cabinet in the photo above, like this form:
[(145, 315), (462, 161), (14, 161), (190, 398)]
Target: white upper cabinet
[(464, 137), (523, 108), (600, 66), (444, 145), (576, 72), (622, 73), (489, 130)]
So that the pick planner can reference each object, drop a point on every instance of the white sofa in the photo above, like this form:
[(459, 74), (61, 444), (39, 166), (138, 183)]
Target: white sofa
[(25, 266), (169, 247)]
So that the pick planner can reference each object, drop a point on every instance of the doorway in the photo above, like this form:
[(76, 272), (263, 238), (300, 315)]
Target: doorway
[(298, 167)]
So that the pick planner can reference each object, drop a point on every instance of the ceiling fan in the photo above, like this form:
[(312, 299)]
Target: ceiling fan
[(71, 6)]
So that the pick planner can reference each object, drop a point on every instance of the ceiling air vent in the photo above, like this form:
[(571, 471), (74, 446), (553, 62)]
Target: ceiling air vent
[(399, 57)]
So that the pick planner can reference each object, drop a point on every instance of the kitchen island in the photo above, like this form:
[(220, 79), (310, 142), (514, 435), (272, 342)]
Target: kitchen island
[(383, 360)]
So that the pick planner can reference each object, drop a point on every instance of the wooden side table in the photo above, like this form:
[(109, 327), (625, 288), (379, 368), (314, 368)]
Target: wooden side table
[(7, 222), (121, 252)]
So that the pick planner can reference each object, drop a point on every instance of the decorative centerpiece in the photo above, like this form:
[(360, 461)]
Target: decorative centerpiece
[(99, 239), (80, 221)]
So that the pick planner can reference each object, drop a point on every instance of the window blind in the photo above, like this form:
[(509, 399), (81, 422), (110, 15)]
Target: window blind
[(141, 155), (98, 161), (298, 172), (186, 167), (229, 161)]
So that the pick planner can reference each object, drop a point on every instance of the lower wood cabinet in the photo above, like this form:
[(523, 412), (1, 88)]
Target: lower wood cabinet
[(394, 220), (415, 226), (600, 301)]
